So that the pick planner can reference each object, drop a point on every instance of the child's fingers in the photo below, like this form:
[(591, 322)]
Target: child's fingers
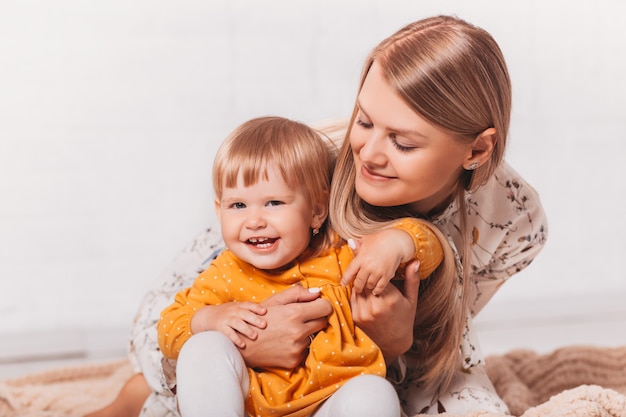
[(365, 281), (358, 284), (253, 307), (353, 272), (245, 329), (234, 337), (251, 313), (380, 286), (350, 273), (244, 322), (235, 328), (360, 272), (362, 278)]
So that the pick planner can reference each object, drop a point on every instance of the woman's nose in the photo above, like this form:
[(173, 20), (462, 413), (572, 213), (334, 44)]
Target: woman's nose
[(372, 149)]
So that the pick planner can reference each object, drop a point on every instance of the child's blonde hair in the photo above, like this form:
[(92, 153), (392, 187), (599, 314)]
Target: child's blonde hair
[(302, 155), (454, 75)]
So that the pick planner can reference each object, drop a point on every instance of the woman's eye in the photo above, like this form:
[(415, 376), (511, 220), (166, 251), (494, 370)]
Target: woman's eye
[(399, 146), (362, 123)]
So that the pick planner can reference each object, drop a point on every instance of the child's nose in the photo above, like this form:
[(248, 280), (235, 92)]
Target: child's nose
[(255, 219)]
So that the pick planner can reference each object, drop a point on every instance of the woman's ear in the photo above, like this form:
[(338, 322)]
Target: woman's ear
[(481, 149)]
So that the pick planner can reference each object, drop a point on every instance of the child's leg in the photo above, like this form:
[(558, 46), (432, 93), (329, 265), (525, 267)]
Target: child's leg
[(362, 396), (212, 378)]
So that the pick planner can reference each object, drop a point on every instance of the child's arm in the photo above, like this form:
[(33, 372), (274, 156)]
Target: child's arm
[(198, 308), (381, 254)]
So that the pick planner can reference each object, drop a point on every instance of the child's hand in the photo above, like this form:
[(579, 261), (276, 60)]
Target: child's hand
[(233, 319), (377, 259)]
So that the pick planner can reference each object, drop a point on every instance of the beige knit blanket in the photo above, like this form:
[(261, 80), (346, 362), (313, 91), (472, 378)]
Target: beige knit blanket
[(574, 381)]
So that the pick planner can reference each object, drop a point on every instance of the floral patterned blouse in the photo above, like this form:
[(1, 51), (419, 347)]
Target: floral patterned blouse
[(509, 229)]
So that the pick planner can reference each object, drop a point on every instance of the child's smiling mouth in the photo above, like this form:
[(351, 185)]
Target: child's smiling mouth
[(261, 242)]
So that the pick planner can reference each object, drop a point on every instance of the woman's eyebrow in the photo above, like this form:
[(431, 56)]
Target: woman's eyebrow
[(407, 132)]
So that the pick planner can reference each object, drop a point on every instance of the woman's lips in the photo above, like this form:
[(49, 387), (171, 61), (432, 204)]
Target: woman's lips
[(373, 176)]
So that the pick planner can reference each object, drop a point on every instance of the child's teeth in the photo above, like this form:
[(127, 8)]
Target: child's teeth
[(258, 240)]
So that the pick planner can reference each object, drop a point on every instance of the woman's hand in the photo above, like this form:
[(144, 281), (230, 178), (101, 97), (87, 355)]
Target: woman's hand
[(388, 317), (292, 315)]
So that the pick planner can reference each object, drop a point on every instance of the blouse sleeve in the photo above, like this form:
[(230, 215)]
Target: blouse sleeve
[(143, 351), (174, 326)]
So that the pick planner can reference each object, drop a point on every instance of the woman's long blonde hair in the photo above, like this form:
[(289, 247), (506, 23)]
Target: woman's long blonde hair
[(454, 75), (303, 155)]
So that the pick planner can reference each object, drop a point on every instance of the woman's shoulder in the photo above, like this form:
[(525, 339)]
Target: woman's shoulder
[(506, 189), (505, 205), (505, 195), (507, 177), (509, 204)]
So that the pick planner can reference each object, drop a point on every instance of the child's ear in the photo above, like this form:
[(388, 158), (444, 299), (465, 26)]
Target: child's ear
[(218, 206), (320, 212)]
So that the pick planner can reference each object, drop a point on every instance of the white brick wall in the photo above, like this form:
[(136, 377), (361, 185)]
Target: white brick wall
[(110, 113)]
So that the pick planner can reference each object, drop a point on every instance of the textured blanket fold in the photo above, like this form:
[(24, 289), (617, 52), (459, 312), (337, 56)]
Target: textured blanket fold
[(64, 392), (573, 381), (525, 379)]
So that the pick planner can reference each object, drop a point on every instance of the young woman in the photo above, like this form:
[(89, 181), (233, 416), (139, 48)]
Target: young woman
[(426, 139)]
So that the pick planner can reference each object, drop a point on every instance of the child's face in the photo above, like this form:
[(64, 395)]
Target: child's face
[(400, 158), (267, 224)]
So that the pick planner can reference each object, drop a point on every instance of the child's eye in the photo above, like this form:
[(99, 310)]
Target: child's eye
[(274, 203), (239, 205)]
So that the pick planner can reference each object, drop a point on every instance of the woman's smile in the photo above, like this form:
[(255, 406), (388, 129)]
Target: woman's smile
[(373, 176)]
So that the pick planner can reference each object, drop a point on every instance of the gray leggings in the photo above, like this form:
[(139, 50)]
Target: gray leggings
[(213, 381)]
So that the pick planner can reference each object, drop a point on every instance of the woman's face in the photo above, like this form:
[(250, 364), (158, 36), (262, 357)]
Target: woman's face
[(400, 158)]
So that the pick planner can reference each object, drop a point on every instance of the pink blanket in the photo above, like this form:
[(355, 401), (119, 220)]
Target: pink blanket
[(574, 381)]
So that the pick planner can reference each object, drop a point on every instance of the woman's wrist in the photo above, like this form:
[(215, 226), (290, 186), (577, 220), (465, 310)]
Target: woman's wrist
[(395, 350)]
